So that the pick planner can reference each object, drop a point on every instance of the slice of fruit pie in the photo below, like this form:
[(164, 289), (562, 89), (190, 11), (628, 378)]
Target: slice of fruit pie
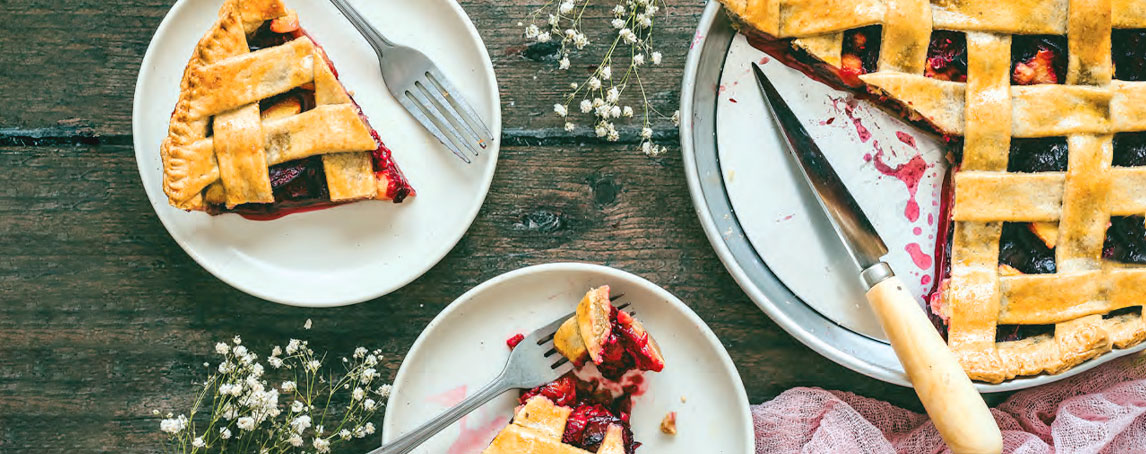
[(578, 415), (1044, 105), (264, 128)]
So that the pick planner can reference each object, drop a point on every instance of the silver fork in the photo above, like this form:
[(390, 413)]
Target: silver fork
[(531, 364), (424, 91)]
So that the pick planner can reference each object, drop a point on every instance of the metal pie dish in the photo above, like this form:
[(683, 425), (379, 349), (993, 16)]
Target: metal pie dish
[(704, 70)]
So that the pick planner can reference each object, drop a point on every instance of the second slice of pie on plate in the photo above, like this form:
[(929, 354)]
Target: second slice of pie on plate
[(580, 413), (264, 128)]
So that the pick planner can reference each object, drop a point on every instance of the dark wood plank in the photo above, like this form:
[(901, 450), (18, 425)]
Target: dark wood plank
[(105, 318)]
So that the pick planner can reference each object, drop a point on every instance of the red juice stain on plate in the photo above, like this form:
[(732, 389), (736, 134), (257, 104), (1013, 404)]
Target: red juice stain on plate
[(922, 260), (473, 441), (449, 398), (910, 173), (926, 279), (764, 60), (828, 121), (905, 138), (513, 341), (733, 100), (917, 231)]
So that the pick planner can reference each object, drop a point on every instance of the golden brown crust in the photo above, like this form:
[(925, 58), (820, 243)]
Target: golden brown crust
[(593, 319), (568, 342), (537, 428), (223, 77)]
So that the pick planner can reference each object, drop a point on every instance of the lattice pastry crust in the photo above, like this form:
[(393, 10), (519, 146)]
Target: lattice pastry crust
[(221, 144), (988, 112)]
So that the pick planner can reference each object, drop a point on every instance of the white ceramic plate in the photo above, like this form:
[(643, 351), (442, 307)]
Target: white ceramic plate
[(464, 348), (350, 253)]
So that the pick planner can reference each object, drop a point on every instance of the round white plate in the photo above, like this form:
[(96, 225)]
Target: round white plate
[(464, 348), (350, 253)]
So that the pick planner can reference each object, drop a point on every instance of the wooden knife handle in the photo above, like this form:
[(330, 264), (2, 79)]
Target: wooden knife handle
[(955, 406)]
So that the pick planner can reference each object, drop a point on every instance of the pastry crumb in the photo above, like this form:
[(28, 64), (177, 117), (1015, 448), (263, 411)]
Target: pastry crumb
[(668, 425), (683, 399)]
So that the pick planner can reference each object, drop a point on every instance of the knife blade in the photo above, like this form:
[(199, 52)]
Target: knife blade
[(955, 406)]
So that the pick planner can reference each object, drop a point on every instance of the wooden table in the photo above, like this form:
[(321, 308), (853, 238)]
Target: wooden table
[(104, 318)]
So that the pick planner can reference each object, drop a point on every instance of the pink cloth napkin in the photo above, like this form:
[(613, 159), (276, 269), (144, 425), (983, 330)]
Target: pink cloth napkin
[(1101, 411)]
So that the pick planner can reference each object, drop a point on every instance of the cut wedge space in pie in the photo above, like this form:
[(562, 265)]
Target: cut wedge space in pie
[(264, 128), (576, 415), (1042, 254)]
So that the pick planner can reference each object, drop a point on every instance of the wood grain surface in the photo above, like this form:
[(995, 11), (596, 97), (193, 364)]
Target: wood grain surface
[(104, 318)]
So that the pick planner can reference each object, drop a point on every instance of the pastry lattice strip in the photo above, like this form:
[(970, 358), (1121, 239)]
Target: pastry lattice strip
[(222, 87), (1088, 109)]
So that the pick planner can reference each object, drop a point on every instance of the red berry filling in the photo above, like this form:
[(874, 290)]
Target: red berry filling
[(627, 349), (513, 341), (947, 56), (588, 424), (860, 52), (1038, 60)]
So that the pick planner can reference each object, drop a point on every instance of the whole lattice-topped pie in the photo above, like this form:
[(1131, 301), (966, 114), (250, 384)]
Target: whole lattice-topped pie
[(263, 127), (1044, 104)]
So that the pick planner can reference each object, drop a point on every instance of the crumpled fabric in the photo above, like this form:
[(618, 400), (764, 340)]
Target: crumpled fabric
[(1100, 411)]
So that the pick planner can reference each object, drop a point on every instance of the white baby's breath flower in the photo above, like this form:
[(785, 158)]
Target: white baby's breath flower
[(628, 36), (257, 370), (586, 106), (676, 118), (615, 112), (292, 346), (246, 423), (563, 63), (544, 37), (613, 95), (595, 83), (313, 365), (321, 445), (603, 110), (628, 112), (225, 433), (619, 10), (647, 148), (569, 127), (277, 351), (344, 434), (606, 73), (656, 56), (237, 340), (306, 325), (553, 20), (300, 424), (645, 21), (360, 353), (639, 59), (532, 31), (613, 135), (598, 102), (646, 133), (560, 110), (369, 374), (295, 440), (275, 362), (297, 407), (566, 7), (618, 23), (580, 41), (358, 394), (198, 442), (369, 427), (173, 425), (601, 130), (369, 404), (573, 85), (222, 348)]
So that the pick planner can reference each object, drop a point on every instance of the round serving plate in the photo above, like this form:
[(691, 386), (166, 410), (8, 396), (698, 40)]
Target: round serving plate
[(464, 348), (355, 252), (767, 227)]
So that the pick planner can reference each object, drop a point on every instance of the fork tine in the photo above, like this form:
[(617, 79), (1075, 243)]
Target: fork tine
[(450, 117), (473, 121), (427, 119)]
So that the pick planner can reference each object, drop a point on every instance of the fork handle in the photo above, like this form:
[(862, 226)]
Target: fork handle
[(409, 441), (376, 39)]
